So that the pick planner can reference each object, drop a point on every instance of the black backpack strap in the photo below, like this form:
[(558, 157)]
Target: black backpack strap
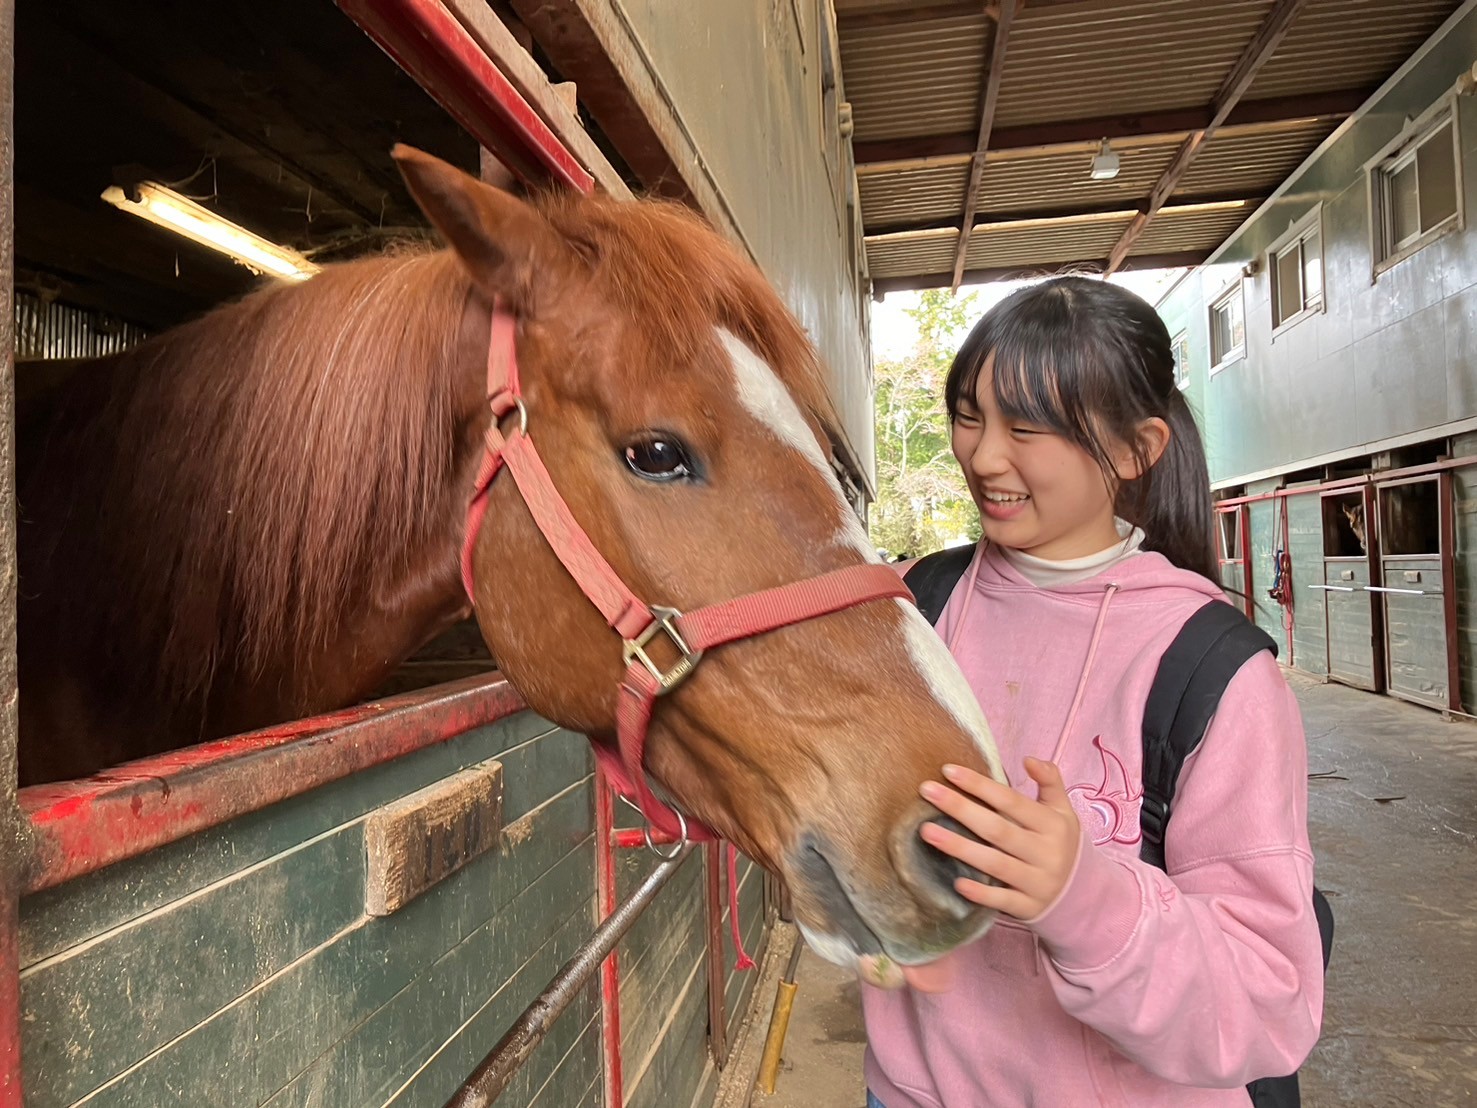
[(1210, 648), (933, 577)]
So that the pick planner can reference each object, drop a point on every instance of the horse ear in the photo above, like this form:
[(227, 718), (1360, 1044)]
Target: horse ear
[(504, 242)]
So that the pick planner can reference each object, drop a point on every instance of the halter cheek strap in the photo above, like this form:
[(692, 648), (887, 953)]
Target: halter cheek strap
[(689, 634)]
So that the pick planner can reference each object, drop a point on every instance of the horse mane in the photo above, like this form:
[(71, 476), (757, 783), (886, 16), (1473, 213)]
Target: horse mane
[(245, 476), (237, 475)]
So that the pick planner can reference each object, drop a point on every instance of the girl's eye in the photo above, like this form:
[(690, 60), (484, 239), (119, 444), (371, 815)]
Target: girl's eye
[(1027, 431), (658, 458)]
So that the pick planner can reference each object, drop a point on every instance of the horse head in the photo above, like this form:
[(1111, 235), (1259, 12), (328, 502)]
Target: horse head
[(682, 416)]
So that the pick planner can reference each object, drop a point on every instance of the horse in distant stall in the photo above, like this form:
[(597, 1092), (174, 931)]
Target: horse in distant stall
[(258, 515)]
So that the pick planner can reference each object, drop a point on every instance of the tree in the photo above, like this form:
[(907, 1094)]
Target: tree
[(922, 501)]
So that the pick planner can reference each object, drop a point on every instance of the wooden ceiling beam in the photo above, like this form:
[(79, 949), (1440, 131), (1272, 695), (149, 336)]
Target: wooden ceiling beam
[(1258, 51), (998, 44), (1278, 111), (1121, 206), (1090, 266), (910, 11)]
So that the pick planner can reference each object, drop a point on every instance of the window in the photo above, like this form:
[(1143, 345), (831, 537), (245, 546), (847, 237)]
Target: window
[(1415, 192), (1227, 327), (1297, 273), (1230, 534), (1180, 346)]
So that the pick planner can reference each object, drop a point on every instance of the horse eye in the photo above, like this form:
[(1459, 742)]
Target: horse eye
[(659, 459)]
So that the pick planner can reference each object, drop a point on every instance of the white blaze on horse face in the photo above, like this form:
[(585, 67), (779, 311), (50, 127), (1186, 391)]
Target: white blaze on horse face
[(767, 399)]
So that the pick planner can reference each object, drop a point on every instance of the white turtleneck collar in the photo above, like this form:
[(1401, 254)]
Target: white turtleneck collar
[(1046, 574)]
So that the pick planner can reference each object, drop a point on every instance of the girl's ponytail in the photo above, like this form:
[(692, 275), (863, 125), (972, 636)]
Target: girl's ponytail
[(1172, 501)]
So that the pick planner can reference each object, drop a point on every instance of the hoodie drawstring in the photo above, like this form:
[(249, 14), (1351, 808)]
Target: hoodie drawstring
[(1097, 634)]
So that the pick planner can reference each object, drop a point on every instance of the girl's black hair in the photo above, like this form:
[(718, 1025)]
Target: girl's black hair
[(1091, 361)]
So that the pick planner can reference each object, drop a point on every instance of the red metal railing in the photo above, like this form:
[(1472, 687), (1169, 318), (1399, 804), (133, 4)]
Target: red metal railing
[(81, 826)]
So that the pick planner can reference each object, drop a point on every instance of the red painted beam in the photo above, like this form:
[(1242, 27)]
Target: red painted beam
[(81, 826), (431, 45)]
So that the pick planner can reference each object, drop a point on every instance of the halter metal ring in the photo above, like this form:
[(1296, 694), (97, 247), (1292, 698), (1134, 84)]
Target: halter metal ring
[(677, 847), (522, 415)]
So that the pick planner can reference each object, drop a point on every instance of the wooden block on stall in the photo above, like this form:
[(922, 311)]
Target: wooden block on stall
[(427, 836)]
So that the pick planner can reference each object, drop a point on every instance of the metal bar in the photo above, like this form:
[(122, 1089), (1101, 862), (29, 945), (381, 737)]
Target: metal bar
[(1402, 592), (999, 41), (81, 826), (14, 844), (610, 970), (494, 1072), (1446, 542), (428, 43), (717, 953), (1333, 588), (1258, 51)]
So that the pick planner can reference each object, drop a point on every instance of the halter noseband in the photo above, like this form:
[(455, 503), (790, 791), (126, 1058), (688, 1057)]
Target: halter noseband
[(691, 634)]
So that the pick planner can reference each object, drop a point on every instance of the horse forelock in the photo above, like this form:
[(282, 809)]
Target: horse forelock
[(680, 283)]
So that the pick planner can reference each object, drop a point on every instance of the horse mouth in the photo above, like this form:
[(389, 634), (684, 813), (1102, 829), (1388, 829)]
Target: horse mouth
[(823, 882)]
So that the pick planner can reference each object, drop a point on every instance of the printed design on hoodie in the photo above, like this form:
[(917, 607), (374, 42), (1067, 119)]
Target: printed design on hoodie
[(1108, 810)]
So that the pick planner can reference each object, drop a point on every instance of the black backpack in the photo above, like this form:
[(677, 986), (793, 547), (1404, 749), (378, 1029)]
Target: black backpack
[(1213, 644)]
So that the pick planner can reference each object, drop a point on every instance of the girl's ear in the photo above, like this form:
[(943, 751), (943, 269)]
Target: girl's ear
[(1153, 437)]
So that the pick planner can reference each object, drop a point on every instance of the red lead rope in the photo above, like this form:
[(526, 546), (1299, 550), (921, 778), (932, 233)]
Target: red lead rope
[(636, 622)]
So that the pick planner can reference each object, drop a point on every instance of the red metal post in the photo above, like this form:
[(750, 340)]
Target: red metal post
[(430, 44), (610, 974)]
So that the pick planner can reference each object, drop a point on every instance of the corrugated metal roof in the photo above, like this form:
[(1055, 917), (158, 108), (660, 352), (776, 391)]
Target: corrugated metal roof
[(917, 71), (924, 78)]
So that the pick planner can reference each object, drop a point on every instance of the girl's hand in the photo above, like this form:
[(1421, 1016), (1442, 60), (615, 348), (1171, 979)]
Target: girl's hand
[(1032, 844)]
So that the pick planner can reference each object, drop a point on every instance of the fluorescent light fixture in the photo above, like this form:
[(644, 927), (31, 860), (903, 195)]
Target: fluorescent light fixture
[(168, 209), (1104, 163)]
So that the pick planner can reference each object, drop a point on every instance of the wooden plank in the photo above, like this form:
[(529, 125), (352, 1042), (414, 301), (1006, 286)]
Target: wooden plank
[(1145, 127), (1350, 624), (1305, 546), (1258, 51), (567, 1060), (484, 980), (882, 285), (1415, 630), (656, 963), (97, 1009), (307, 1006), (998, 43), (429, 835), (672, 1072), (84, 908), (529, 79)]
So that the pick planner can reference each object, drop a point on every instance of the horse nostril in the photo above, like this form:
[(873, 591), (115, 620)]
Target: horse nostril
[(945, 868)]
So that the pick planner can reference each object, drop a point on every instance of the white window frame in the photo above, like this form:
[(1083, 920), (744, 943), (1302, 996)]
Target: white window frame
[(1392, 157), (1294, 239), (1236, 353), (1179, 347)]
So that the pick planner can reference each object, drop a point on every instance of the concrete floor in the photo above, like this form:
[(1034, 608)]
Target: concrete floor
[(1393, 813)]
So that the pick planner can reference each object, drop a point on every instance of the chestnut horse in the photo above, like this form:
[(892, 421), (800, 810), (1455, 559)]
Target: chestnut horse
[(259, 514)]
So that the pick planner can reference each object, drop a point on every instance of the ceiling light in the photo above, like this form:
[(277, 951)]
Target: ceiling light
[(168, 209), (1104, 163)]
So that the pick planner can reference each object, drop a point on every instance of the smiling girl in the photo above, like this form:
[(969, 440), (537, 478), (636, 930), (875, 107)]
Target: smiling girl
[(1105, 981)]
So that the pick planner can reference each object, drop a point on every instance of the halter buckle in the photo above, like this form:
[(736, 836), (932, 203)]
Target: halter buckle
[(663, 620)]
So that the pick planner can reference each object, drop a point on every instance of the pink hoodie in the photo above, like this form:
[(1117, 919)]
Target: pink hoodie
[(1135, 987)]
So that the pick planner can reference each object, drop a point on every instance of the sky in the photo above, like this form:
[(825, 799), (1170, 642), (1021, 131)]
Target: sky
[(893, 333)]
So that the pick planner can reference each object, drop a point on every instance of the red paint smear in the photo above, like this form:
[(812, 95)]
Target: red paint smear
[(81, 826)]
